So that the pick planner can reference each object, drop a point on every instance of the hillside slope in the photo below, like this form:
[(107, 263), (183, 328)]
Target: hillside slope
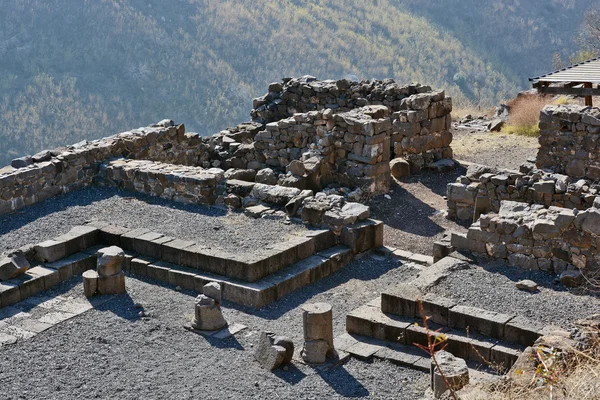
[(87, 69)]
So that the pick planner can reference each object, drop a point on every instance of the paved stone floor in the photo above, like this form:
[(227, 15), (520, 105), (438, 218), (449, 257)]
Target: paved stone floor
[(36, 314)]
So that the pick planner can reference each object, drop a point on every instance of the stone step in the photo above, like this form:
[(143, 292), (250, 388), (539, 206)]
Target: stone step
[(244, 267), (403, 301), (252, 294), (365, 348), (405, 256), (370, 321)]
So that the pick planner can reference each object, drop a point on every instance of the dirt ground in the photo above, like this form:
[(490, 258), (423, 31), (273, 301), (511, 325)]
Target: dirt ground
[(494, 149)]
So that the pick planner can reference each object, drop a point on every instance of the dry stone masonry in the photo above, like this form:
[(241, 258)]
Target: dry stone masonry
[(558, 240), (306, 137), (570, 141)]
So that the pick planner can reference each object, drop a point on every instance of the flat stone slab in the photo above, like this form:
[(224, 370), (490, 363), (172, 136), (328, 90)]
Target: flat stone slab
[(229, 331), (33, 325), (54, 318), (5, 339)]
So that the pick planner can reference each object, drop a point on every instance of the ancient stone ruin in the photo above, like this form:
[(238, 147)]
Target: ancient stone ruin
[(543, 217)]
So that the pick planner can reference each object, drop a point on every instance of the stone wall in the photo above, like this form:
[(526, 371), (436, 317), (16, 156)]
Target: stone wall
[(488, 186), (420, 116), (345, 136), (558, 240), (570, 141)]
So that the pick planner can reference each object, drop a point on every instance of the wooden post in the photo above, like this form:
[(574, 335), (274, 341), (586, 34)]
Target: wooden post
[(588, 99)]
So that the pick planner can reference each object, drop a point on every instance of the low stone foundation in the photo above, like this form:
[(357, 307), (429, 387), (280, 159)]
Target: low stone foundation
[(489, 186), (569, 141), (558, 240)]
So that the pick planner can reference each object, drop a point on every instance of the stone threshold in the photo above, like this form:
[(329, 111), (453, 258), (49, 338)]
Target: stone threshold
[(405, 256)]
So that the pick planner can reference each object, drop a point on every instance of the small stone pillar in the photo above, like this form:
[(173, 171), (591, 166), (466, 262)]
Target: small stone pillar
[(455, 370), (318, 333), (109, 277), (207, 311)]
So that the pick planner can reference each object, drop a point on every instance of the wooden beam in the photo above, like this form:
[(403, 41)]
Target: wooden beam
[(586, 91), (588, 99)]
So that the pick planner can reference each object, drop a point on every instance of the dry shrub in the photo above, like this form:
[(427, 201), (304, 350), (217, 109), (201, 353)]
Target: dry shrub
[(577, 377), (525, 114)]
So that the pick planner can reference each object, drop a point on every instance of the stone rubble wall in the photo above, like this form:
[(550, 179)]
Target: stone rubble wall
[(558, 240), (420, 117), (530, 186), (570, 141), (345, 134)]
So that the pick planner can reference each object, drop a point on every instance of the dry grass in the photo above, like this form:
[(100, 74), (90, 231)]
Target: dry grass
[(575, 375), (525, 114)]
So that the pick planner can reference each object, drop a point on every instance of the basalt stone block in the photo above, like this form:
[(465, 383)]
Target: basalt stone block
[(487, 322), (114, 284), (149, 244), (50, 251), (401, 300), (208, 315), (82, 262), (111, 234), (49, 276), (9, 293), (182, 277), (269, 355), (80, 238), (159, 271), (139, 265), (437, 307), (90, 283), (323, 239), (504, 356), (523, 331), (30, 285), (256, 294), (362, 236), (213, 290), (14, 265), (172, 251), (128, 239)]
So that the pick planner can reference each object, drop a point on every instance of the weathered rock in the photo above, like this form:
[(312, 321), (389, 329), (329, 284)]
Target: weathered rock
[(90, 283), (527, 285), (495, 125), (266, 176), (208, 315), (296, 167), (21, 162), (13, 265), (571, 278), (213, 290), (276, 195), (399, 168), (110, 261), (112, 284), (358, 210), (288, 345), (455, 371), (292, 207), (318, 332), (269, 355)]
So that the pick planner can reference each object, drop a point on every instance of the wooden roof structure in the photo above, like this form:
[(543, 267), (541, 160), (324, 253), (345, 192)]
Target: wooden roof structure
[(582, 79)]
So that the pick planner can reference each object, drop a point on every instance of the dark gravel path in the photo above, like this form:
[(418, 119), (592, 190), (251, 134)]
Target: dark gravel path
[(415, 214), (211, 226), (111, 352), (493, 288)]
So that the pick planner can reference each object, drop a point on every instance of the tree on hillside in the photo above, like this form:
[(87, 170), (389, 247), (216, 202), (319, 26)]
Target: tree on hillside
[(589, 37)]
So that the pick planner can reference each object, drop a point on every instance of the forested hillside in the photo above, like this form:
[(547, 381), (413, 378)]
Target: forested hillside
[(74, 70)]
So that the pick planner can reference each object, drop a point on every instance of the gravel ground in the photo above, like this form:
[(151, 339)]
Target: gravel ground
[(110, 352), (211, 226), (494, 149), (415, 215), (492, 287)]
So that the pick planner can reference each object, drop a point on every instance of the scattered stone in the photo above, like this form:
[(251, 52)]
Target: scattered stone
[(15, 264), (571, 278), (527, 285), (213, 290), (21, 162), (495, 125), (266, 176), (208, 315), (273, 351)]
